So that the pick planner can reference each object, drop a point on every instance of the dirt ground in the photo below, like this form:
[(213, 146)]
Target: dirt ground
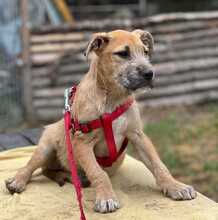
[(187, 141)]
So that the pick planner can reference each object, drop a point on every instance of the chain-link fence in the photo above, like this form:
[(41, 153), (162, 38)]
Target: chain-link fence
[(11, 106), (10, 78)]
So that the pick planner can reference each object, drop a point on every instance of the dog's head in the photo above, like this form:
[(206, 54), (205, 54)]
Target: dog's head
[(123, 57)]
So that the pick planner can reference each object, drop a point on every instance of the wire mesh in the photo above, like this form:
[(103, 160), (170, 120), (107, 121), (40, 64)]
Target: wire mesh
[(11, 110)]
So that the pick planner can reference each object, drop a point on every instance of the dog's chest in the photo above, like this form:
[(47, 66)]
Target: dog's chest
[(119, 129)]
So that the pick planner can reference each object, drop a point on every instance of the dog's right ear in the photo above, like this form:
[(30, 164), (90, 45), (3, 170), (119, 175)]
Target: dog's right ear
[(146, 39), (97, 43)]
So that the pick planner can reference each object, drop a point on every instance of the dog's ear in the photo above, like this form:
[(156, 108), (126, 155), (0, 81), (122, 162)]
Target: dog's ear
[(146, 39), (97, 43)]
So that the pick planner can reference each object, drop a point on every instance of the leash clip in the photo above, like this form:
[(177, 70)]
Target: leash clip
[(67, 94)]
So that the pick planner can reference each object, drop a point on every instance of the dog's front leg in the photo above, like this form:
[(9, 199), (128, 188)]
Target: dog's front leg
[(147, 153), (41, 155), (106, 200)]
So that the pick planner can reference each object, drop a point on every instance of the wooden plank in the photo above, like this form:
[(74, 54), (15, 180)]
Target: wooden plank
[(49, 92), (181, 37), (207, 42), (72, 70), (55, 102), (58, 47), (49, 114), (180, 78), (164, 29), (170, 68), (173, 55), (57, 56), (53, 38), (183, 88), (163, 47), (185, 99), (61, 81), (102, 8), (43, 59), (182, 16)]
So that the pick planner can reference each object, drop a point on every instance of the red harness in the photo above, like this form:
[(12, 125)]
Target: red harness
[(105, 122)]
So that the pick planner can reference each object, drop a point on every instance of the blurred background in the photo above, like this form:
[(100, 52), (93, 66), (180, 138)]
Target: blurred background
[(41, 53)]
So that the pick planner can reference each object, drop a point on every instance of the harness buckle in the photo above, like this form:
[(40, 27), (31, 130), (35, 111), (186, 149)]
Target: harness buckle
[(67, 94)]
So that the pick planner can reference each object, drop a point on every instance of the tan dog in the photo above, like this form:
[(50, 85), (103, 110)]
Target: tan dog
[(119, 64)]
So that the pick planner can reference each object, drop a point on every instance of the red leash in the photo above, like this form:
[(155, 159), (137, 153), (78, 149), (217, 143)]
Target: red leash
[(106, 123), (70, 156)]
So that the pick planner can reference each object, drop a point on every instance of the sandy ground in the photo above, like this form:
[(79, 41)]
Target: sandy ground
[(134, 185)]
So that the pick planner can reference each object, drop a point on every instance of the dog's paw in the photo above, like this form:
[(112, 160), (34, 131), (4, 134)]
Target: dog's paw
[(179, 191), (14, 185), (106, 206)]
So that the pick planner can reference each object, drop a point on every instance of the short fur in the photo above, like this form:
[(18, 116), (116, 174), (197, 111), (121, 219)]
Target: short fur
[(109, 82)]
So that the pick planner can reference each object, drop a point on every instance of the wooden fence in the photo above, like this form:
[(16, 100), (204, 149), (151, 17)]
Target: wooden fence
[(185, 60)]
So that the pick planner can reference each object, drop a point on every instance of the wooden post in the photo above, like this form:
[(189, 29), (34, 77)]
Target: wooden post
[(26, 69), (142, 7)]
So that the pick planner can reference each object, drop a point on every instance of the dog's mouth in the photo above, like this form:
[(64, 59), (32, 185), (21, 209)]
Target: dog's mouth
[(135, 84), (151, 84), (148, 84)]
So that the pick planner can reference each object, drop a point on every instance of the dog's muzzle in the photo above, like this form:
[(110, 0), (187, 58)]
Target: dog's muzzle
[(138, 79)]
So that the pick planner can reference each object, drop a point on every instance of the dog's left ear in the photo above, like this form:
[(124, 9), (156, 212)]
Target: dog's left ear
[(146, 39), (97, 43)]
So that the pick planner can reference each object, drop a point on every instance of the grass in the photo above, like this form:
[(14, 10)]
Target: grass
[(187, 141), (210, 166)]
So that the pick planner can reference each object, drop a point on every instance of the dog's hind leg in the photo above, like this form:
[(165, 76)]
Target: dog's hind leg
[(40, 157), (61, 177)]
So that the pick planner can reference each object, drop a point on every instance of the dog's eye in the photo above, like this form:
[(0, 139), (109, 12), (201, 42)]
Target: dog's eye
[(123, 54)]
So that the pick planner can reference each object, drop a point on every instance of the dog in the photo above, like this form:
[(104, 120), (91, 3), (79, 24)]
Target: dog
[(119, 65)]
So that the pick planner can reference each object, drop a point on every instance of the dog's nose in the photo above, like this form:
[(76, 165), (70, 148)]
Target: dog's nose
[(148, 75)]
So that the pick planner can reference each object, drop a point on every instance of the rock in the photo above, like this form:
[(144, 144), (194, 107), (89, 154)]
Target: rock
[(133, 183)]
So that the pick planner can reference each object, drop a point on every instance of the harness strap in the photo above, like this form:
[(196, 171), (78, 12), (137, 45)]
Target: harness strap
[(106, 161), (106, 123), (97, 123), (109, 136)]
